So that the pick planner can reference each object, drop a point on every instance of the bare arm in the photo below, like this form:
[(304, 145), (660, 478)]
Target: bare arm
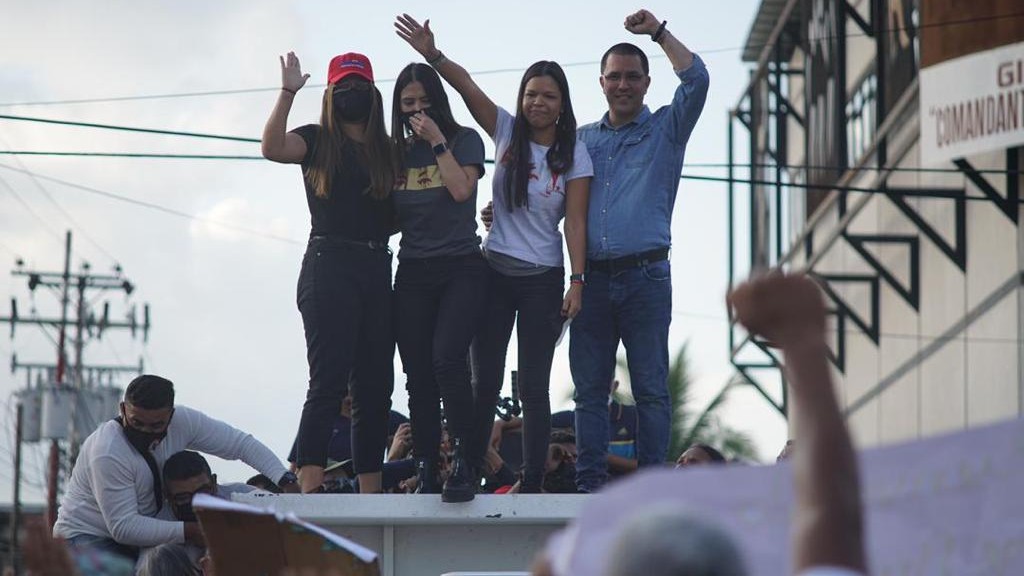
[(278, 144), (828, 531), (643, 22), (458, 179), (421, 38), (577, 201), (621, 464)]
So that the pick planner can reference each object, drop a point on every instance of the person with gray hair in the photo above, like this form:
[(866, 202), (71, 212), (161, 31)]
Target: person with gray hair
[(659, 542), (167, 560)]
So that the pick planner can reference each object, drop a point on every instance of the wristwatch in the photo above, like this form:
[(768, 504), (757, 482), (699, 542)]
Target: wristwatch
[(440, 148), (577, 279), (287, 479)]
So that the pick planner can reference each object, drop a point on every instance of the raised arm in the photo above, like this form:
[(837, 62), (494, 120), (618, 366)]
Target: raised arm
[(643, 22), (278, 144), (421, 38), (827, 531), (691, 94)]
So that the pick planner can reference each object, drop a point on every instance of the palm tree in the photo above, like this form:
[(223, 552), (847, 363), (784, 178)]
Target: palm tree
[(692, 426)]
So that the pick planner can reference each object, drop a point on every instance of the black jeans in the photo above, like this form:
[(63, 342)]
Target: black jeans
[(438, 302), (344, 296), (534, 304)]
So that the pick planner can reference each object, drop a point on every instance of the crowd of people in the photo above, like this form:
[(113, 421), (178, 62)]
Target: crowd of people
[(452, 306)]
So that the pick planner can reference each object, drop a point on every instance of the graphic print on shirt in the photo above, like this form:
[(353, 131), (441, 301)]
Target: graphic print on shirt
[(554, 185), (422, 178)]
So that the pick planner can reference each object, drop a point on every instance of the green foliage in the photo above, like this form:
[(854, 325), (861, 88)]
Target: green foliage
[(690, 424)]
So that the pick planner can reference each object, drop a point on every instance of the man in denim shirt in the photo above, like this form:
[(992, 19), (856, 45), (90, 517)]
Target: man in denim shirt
[(638, 156)]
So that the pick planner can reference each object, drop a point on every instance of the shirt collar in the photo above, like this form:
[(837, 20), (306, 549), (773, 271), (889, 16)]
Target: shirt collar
[(641, 118)]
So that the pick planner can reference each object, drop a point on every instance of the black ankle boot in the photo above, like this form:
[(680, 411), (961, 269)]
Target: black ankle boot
[(459, 485), (426, 477)]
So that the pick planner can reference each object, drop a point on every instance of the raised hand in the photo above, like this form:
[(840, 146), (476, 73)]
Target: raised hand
[(788, 310), (402, 442), (421, 38), (292, 78), (642, 22), (426, 129)]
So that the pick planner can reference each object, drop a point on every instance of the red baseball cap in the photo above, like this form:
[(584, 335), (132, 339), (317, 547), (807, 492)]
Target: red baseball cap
[(349, 63)]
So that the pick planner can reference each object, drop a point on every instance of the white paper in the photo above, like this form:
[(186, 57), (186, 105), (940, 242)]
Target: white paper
[(565, 330), (946, 505), (207, 502)]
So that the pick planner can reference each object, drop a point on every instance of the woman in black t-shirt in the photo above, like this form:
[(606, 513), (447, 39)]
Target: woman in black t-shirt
[(344, 288), (441, 278)]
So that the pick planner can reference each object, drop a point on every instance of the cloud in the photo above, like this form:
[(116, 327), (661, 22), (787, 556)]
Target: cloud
[(235, 219)]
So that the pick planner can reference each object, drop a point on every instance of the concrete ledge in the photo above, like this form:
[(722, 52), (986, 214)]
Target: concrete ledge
[(419, 535)]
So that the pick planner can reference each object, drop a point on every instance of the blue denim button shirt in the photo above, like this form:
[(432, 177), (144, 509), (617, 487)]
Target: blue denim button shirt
[(636, 171)]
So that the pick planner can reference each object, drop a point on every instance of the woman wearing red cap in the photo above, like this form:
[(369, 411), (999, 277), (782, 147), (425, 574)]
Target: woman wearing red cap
[(542, 175), (344, 289), (440, 284)]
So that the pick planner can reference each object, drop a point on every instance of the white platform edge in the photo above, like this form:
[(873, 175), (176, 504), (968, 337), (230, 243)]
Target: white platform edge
[(414, 509)]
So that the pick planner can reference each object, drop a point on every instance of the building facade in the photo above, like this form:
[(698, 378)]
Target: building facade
[(878, 147)]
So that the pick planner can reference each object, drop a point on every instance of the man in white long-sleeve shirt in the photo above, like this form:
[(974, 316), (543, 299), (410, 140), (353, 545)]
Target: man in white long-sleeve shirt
[(115, 489)]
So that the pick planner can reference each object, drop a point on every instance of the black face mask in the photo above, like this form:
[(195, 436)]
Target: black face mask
[(406, 116), (184, 512), (561, 480), (353, 105), (140, 440), (143, 440)]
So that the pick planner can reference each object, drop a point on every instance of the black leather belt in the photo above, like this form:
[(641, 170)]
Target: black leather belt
[(340, 241), (613, 265)]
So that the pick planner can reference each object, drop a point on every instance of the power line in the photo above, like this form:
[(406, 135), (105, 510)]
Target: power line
[(156, 207), (951, 195), (910, 169), (894, 335), (74, 223), (492, 71), (131, 155), (46, 225), (126, 128), (791, 167), (485, 72)]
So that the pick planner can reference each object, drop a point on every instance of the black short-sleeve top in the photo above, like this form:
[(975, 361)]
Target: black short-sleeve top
[(432, 223), (349, 211)]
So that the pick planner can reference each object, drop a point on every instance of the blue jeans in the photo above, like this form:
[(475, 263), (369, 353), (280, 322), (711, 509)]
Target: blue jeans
[(103, 544), (634, 306)]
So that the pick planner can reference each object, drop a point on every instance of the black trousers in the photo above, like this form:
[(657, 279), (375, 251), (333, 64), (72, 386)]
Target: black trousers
[(438, 302), (344, 296), (533, 304)]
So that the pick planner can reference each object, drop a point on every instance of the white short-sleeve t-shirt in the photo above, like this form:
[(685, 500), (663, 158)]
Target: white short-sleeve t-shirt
[(530, 233)]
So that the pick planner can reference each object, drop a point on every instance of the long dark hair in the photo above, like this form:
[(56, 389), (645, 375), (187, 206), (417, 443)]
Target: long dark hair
[(560, 155), (441, 110), (376, 148)]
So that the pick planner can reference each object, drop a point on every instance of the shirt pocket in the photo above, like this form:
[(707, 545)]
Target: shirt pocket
[(637, 150)]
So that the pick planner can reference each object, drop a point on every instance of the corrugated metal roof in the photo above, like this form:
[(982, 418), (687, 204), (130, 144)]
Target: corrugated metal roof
[(767, 17)]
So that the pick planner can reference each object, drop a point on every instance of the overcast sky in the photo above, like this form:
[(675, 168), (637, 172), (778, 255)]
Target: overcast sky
[(225, 326)]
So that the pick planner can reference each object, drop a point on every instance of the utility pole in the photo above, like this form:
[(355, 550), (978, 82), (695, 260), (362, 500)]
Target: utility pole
[(70, 385), (16, 507)]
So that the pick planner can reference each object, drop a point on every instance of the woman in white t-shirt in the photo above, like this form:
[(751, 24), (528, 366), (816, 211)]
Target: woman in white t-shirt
[(542, 174)]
